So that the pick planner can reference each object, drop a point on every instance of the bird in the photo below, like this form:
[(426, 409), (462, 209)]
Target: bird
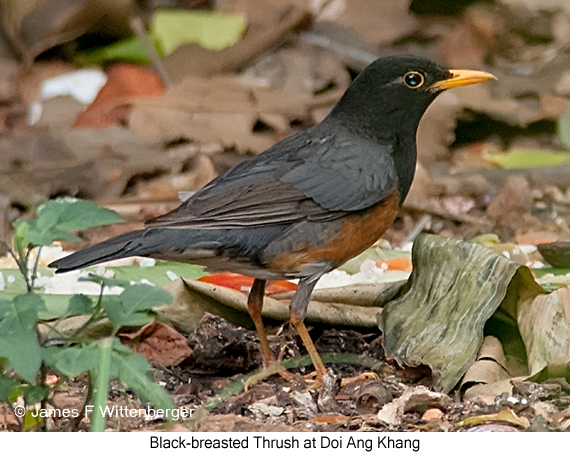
[(307, 204)]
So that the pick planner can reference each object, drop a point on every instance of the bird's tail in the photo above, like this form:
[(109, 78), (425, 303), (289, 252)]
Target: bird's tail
[(124, 245)]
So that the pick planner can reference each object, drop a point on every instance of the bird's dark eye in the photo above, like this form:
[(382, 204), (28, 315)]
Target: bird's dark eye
[(414, 80)]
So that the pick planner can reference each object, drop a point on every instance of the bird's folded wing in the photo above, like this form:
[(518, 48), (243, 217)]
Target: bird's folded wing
[(320, 180)]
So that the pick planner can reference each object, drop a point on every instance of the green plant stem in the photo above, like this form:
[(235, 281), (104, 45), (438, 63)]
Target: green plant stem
[(23, 269), (102, 385), (34, 274), (97, 314)]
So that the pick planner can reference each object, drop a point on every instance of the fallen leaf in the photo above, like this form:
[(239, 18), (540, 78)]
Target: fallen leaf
[(218, 109), (210, 29), (506, 415), (158, 342), (456, 284), (525, 158), (416, 399), (111, 106)]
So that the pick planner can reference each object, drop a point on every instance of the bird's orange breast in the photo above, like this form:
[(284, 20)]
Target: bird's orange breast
[(357, 232)]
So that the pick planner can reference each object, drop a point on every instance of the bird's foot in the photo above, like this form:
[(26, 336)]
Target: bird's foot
[(358, 378), (316, 380), (274, 368)]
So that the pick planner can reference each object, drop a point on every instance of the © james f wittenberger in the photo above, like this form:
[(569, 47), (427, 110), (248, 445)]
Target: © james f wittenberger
[(147, 412)]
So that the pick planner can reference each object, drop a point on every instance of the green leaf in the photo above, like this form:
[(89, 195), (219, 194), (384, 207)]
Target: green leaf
[(211, 30), (563, 126), (23, 352), (131, 50), (7, 385), (76, 214), (25, 308), (79, 304), (18, 341), (135, 372), (143, 297), (21, 236), (158, 273), (133, 305), (34, 394), (72, 361), (526, 158)]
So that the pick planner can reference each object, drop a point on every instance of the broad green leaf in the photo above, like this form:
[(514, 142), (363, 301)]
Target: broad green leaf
[(135, 372), (133, 306), (6, 387), (26, 308), (72, 361), (564, 129), (79, 304), (119, 316), (76, 214), (142, 297), (23, 352), (160, 273), (527, 158), (18, 341), (211, 30), (34, 394)]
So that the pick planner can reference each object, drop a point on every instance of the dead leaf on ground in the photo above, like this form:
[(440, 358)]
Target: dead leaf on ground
[(443, 272), (158, 342), (381, 22), (218, 109), (193, 298), (111, 106), (506, 415), (268, 26), (34, 26), (417, 399)]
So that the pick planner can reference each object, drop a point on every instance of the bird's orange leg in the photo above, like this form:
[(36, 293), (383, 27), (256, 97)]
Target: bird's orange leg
[(298, 309), (320, 368), (254, 307)]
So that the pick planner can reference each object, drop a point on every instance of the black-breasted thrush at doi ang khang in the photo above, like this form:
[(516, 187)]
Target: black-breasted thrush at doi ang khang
[(309, 203)]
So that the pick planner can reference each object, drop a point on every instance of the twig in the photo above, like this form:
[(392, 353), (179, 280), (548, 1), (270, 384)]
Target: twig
[(418, 228), (138, 28)]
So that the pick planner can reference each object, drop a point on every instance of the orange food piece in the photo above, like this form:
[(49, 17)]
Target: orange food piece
[(244, 283), (397, 263)]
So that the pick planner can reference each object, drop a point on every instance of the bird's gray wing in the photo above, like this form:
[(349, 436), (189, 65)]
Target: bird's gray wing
[(300, 178)]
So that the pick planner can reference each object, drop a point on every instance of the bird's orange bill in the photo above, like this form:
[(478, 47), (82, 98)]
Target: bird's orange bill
[(462, 77)]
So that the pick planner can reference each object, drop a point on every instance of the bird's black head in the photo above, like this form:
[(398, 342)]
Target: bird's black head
[(391, 95)]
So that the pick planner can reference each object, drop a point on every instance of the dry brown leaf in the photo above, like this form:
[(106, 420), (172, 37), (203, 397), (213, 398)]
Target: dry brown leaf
[(491, 364), (34, 26), (417, 398), (193, 298), (269, 24), (111, 106), (220, 109), (380, 21), (158, 342)]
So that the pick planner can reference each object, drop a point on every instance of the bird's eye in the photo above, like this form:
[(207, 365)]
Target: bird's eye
[(414, 80)]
